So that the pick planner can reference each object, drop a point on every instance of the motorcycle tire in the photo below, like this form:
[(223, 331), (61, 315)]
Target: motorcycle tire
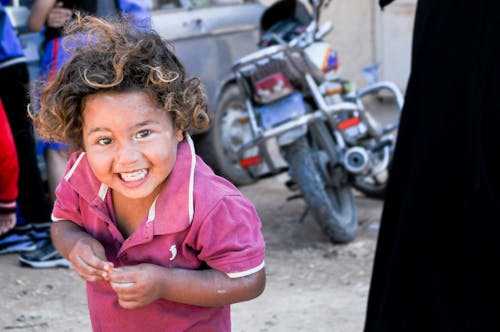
[(217, 146), (370, 189), (332, 207)]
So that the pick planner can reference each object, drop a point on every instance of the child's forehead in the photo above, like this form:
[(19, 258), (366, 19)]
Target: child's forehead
[(133, 95), (123, 91), (133, 100)]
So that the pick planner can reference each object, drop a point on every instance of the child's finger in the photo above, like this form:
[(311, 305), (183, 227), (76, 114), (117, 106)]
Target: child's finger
[(128, 304), (98, 263), (120, 275), (86, 271), (92, 271), (121, 285)]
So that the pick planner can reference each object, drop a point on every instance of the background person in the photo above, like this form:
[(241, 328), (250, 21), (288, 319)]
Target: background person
[(436, 262), (9, 173), (33, 218)]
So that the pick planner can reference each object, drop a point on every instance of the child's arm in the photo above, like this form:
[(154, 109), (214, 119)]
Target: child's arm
[(142, 284), (85, 253), (47, 13)]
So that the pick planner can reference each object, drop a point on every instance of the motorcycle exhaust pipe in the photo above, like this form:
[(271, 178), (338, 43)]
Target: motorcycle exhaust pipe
[(356, 160)]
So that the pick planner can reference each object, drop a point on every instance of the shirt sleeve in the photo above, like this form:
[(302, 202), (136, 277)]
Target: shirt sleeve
[(230, 238), (66, 206)]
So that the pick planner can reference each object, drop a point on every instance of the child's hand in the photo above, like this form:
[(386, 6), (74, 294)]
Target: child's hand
[(138, 285), (88, 259)]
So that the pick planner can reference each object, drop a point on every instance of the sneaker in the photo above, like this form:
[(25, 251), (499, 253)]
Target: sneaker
[(41, 226), (17, 246), (17, 240), (39, 234), (46, 256)]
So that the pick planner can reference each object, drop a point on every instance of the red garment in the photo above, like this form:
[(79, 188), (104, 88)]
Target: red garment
[(9, 167)]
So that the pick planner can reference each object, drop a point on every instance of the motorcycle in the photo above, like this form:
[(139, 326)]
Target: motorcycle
[(297, 103)]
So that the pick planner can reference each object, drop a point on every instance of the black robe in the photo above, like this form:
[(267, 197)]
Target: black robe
[(437, 260)]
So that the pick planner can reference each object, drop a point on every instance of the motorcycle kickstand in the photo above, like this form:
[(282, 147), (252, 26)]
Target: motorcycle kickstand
[(304, 215), (306, 210)]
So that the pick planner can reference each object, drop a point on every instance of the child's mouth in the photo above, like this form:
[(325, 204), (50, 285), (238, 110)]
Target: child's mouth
[(134, 176)]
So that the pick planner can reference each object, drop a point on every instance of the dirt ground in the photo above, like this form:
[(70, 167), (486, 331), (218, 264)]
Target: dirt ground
[(312, 284)]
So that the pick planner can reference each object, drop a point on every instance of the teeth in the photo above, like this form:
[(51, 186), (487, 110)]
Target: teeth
[(134, 176)]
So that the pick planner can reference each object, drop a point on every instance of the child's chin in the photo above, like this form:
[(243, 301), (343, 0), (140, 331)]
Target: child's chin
[(137, 193)]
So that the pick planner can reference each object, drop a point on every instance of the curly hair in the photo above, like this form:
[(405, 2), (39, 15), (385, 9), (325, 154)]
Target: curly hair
[(114, 56)]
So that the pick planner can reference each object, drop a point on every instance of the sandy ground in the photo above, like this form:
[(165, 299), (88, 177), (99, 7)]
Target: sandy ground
[(312, 284)]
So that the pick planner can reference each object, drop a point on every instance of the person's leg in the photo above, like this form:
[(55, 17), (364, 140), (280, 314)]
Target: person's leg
[(32, 200)]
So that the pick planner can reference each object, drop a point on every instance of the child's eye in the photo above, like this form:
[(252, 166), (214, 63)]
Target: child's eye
[(104, 141), (143, 133)]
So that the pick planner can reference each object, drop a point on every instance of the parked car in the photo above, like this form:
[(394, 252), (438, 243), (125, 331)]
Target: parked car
[(208, 36)]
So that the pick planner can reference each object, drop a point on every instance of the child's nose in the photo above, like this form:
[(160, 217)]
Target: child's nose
[(127, 154)]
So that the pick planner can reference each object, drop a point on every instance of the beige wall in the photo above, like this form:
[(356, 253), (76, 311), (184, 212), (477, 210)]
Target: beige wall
[(358, 39), (352, 35)]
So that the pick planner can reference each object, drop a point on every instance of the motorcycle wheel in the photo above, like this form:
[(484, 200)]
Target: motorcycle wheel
[(370, 187), (332, 207), (228, 131)]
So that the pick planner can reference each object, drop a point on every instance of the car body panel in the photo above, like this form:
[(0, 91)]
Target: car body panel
[(207, 35), (209, 39)]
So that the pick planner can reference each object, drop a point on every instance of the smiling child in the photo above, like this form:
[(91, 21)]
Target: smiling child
[(163, 243)]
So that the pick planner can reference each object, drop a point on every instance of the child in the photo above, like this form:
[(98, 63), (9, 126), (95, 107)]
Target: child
[(163, 243)]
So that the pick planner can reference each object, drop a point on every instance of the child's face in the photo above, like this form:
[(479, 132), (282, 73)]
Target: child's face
[(130, 142)]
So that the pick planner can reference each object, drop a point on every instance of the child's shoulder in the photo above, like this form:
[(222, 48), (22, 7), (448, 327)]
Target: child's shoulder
[(218, 198), (210, 186), (78, 167), (74, 161), (74, 156)]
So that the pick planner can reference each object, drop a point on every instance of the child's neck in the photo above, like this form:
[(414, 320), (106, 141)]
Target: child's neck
[(130, 213)]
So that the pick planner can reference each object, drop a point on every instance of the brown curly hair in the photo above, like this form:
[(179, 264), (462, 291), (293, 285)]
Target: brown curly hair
[(115, 56)]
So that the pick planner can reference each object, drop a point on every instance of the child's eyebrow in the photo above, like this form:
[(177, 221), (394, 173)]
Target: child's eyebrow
[(145, 123), (95, 130), (137, 125)]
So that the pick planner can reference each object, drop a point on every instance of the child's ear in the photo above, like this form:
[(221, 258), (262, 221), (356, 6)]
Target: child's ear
[(179, 135)]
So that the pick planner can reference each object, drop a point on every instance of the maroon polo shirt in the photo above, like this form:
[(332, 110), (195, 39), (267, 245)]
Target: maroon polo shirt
[(198, 220)]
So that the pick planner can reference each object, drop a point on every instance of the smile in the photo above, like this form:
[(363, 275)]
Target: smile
[(134, 176)]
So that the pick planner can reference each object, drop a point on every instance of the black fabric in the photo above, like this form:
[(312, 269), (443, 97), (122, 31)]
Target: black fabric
[(32, 200), (437, 260)]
